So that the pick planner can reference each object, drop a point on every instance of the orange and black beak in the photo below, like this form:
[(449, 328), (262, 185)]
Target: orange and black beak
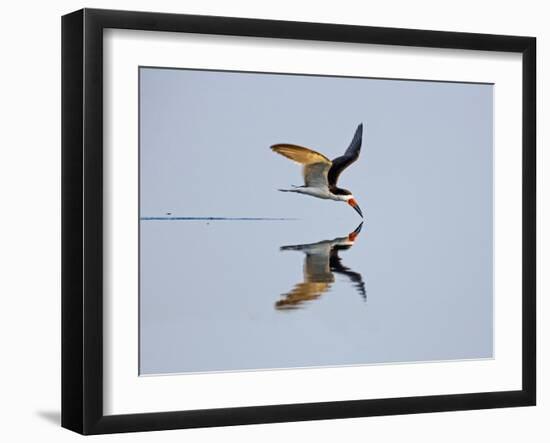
[(353, 235), (353, 203)]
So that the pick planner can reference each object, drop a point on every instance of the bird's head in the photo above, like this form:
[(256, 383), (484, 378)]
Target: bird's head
[(353, 203)]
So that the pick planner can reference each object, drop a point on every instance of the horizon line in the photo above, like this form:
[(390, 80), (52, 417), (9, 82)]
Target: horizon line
[(152, 218)]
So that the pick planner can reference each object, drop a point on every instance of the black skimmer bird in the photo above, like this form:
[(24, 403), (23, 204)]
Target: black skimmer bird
[(320, 173), (320, 264)]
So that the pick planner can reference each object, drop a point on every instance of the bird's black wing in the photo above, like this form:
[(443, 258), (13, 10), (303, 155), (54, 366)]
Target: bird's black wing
[(351, 154), (355, 277)]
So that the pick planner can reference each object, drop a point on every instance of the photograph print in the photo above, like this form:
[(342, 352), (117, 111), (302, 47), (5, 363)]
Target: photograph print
[(302, 221)]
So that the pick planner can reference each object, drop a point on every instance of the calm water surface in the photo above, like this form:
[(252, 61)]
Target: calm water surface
[(242, 294)]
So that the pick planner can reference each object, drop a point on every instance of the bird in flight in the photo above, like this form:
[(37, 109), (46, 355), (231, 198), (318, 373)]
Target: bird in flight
[(320, 173), (321, 262)]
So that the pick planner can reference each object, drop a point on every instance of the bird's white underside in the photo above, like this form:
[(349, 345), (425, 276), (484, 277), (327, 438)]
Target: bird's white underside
[(319, 192)]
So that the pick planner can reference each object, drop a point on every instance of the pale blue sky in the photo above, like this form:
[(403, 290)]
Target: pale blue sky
[(205, 140)]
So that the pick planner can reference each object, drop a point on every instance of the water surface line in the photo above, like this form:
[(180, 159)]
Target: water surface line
[(154, 218)]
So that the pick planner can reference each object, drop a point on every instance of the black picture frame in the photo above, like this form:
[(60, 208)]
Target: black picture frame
[(82, 220)]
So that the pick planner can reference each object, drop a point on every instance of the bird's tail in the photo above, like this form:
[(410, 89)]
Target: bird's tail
[(295, 189)]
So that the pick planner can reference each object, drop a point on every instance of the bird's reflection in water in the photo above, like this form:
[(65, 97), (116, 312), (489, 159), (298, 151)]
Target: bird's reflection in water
[(320, 264)]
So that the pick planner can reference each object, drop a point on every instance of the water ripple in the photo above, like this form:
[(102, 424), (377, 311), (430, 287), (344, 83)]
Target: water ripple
[(220, 218)]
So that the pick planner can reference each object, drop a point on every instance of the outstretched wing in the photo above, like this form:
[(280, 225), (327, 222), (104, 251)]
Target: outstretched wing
[(355, 277), (302, 292), (316, 165), (317, 275), (350, 156)]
